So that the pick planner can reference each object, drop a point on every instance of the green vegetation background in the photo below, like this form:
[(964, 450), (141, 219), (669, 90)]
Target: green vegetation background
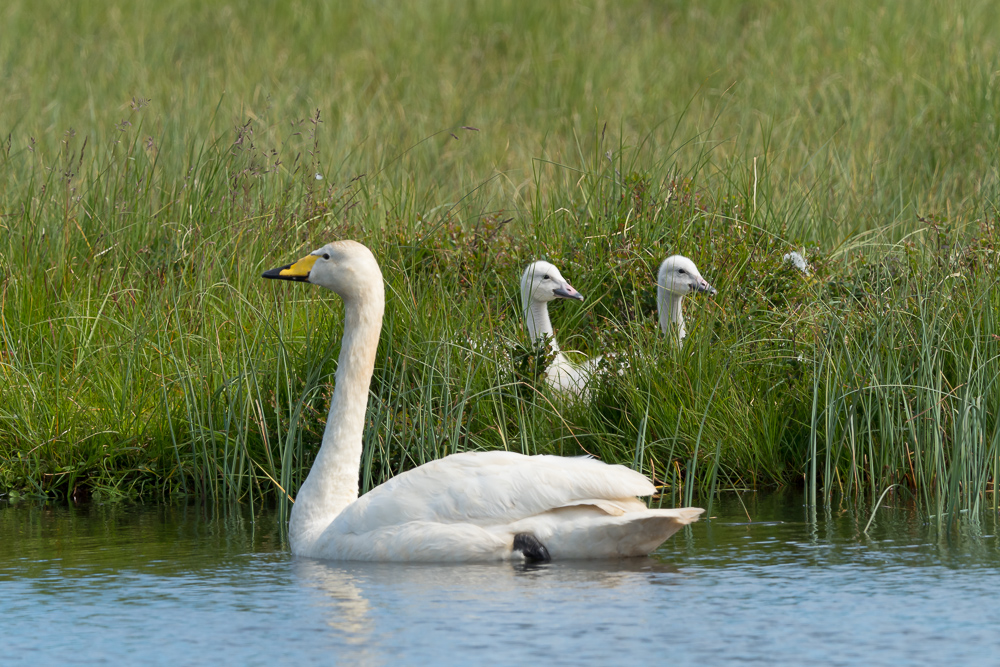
[(158, 156)]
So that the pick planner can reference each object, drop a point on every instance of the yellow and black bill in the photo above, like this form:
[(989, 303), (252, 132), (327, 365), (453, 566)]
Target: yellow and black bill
[(298, 271)]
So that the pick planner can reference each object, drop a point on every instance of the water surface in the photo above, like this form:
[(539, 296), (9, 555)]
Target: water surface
[(759, 582)]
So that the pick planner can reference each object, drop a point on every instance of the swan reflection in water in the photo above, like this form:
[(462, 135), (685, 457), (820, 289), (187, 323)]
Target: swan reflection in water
[(350, 611), (367, 600)]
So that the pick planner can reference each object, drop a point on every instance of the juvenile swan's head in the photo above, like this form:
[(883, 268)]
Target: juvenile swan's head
[(679, 276), (346, 267), (542, 282)]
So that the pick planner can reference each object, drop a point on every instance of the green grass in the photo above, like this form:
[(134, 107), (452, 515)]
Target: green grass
[(157, 157)]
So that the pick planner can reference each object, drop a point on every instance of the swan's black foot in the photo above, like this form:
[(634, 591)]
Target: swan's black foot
[(533, 550)]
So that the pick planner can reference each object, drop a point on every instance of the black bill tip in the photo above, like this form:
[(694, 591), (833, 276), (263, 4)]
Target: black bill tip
[(276, 274)]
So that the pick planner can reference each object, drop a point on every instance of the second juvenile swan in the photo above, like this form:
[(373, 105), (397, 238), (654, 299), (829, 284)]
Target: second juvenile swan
[(465, 507), (677, 278), (541, 283)]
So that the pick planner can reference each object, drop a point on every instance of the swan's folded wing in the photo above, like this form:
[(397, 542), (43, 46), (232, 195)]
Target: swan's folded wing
[(487, 488), (612, 507)]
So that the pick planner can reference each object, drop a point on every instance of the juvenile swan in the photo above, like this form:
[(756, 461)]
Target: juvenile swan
[(541, 283), (465, 507), (678, 277)]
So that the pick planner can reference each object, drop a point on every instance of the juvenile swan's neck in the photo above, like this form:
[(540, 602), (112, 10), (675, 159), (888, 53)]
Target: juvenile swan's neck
[(670, 313), (536, 318), (332, 483)]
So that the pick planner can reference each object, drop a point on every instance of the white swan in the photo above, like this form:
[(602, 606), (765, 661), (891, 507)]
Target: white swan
[(541, 283), (677, 278), (464, 507)]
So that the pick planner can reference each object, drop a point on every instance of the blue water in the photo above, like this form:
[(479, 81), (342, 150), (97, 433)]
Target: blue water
[(187, 585)]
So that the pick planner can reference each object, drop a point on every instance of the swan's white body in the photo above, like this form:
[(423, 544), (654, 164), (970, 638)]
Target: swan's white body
[(678, 277), (464, 507), (541, 283), (469, 507)]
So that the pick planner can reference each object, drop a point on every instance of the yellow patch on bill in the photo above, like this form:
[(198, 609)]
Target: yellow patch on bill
[(301, 268)]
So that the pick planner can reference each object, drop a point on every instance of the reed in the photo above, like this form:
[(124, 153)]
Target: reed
[(149, 174)]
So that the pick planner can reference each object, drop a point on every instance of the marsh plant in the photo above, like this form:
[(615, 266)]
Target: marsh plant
[(142, 355)]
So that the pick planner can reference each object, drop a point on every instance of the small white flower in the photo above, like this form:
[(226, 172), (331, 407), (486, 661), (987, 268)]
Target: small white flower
[(798, 261), (319, 176)]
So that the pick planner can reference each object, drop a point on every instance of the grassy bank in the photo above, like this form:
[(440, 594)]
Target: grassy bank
[(158, 156)]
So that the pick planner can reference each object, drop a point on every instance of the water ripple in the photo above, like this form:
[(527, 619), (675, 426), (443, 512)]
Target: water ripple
[(180, 585)]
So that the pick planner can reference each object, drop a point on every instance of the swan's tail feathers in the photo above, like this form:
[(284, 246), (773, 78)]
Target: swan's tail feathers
[(584, 531), (643, 534), (685, 515), (532, 550)]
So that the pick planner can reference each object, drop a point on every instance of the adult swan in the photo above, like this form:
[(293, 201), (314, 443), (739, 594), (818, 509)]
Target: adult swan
[(465, 507)]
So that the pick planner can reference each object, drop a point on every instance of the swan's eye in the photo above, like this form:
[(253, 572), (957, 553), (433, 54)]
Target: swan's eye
[(546, 277), (681, 271), (326, 255)]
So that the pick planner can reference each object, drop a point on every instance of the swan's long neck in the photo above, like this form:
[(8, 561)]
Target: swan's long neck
[(536, 318), (671, 314), (332, 483)]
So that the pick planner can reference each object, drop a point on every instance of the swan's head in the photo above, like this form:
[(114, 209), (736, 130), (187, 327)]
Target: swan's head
[(542, 282), (346, 267), (679, 276)]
